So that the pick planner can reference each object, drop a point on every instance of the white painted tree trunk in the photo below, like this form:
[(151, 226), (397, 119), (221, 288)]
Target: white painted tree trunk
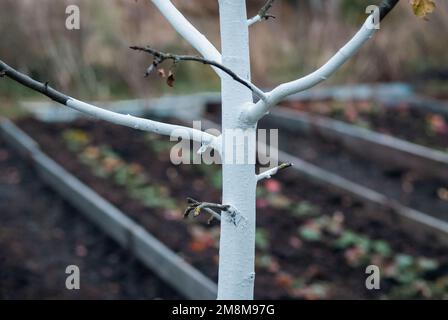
[(237, 243)]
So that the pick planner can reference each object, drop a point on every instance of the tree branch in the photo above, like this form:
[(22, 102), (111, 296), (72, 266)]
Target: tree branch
[(160, 57), (269, 173), (103, 114), (188, 31), (196, 207), (386, 7), (258, 110), (263, 14)]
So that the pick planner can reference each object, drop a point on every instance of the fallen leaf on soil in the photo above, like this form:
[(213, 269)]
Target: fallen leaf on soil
[(284, 280)]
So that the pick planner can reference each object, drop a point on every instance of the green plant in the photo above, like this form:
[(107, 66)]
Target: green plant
[(76, 139), (311, 231), (106, 163), (304, 209), (262, 239)]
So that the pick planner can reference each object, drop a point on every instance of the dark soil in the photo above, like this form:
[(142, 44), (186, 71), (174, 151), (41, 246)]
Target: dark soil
[(40, 235), (310, 262)]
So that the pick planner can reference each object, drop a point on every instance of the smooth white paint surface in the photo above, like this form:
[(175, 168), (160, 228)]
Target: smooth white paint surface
[(188, 31), (140, 123), (237, 243), (258, 110)]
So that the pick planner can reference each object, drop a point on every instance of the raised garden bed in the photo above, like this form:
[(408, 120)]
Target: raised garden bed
[(410, 187), (420, 126), (40, 235), (304, 231), (400, 173)]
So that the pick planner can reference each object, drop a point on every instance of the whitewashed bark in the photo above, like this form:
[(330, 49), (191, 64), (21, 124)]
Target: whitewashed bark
[(253, 20), (257, 111), (237, 243), (188, 31), (142, 123)]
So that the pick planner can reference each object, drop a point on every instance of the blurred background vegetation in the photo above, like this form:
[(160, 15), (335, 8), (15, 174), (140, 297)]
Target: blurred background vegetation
[(95, 62)]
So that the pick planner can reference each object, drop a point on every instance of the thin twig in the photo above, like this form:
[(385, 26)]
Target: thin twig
[(269, 173), (44, 88), (196, 207), (160, 57), (386, 6), (263, 14)]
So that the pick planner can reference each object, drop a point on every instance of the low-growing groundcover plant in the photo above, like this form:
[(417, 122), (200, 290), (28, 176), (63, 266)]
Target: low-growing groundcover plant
[(243, 105)]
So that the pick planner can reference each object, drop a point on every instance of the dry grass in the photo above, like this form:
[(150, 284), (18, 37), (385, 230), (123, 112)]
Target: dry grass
[(95, 61)]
